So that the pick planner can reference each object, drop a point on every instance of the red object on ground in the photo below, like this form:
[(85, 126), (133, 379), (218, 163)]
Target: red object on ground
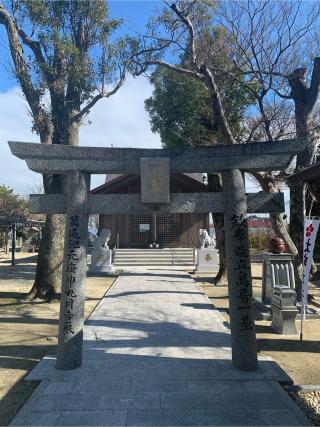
[(277, 245)]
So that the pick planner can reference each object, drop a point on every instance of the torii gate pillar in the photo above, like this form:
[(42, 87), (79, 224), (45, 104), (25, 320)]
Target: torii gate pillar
[(243, 336), (69, 354)]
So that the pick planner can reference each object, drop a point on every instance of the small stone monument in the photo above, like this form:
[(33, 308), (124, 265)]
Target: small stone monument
[(208, 256), (101, 254), (277, 271), (284, 311)]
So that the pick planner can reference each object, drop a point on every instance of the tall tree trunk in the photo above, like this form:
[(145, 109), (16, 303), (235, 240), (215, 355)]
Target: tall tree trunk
[(214, 185), (279, 225), (49, 264), (298, 194), (297, 217), (280, 228), (304, 159), (305, 99), (297, 214), (214, 181)]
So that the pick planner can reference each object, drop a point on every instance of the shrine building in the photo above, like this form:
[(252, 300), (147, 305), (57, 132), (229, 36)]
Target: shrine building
[(167, 230)]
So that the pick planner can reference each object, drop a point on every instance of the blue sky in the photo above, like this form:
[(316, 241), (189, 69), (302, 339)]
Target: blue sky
[(120, 121)]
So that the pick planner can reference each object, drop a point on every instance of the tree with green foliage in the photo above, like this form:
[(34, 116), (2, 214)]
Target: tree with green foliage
[(181, 108), (265, 41), (183, 120), (12, 206), (65, 59)]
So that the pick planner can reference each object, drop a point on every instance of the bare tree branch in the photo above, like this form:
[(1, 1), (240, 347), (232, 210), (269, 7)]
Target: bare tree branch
[(86, 110), (176, 68), (186, 20), (36, 49), (313, 91), (217, 106)]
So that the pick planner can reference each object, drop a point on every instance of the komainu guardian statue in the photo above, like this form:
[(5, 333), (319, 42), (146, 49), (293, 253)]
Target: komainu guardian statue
[(205, 240), (101, 254)]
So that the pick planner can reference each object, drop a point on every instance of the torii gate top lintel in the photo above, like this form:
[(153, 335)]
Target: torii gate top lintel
[(62, 159)]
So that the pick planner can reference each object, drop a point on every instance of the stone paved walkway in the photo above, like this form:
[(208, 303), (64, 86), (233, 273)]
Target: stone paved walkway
[(157, 354)]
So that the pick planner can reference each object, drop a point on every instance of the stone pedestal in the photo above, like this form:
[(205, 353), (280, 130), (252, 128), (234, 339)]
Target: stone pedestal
[(277, 271), (284, 311), (101, 262), (101, 258), (207, 260)]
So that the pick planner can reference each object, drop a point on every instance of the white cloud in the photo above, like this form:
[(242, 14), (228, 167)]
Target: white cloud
[(120, 120)]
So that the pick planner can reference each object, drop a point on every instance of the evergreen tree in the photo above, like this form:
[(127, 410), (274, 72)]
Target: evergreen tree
[(65, 60)]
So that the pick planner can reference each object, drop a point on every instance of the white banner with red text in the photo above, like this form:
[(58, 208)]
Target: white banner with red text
[(310, 233)]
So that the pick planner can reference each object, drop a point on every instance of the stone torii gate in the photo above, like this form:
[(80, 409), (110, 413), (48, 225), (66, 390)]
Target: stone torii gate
[(155, 165)]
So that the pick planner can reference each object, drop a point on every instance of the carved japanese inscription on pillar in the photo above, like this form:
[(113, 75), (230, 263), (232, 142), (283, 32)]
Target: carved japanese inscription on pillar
[(244, 351), (71, 271), (243, 285), (69, 355)]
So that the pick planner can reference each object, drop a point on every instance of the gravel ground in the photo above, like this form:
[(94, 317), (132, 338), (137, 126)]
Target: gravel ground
[(309, 402)]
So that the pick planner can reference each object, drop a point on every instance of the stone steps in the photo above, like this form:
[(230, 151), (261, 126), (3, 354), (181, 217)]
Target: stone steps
[(167, 256)]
